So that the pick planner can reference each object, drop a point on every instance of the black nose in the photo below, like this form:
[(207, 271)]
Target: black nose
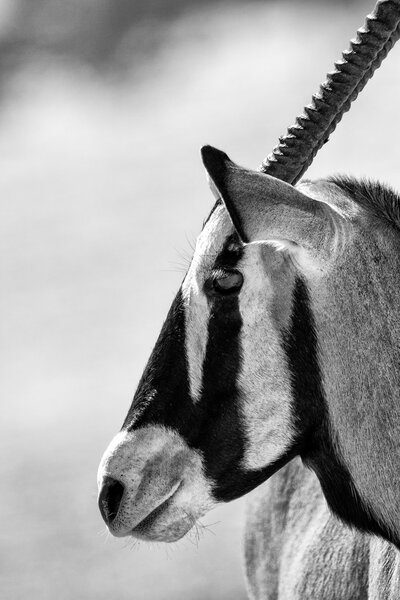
[(110, 498)]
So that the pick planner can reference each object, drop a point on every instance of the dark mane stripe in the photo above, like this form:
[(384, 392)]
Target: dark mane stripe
[(381, 200)]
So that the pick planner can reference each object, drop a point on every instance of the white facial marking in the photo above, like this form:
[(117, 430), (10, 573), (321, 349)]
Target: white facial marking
[(197, 315), (197, 312), (264, 380), (158, 471)]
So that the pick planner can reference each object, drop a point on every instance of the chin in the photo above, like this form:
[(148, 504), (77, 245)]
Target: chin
[(165, 524), (162, 530), (169, 522)]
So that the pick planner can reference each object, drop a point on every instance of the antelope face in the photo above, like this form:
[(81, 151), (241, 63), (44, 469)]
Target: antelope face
[(216, 411)]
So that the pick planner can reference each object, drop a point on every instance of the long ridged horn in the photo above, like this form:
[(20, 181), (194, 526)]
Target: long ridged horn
[(296, 150)]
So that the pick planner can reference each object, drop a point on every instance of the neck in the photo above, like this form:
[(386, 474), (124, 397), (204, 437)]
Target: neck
[(356, 444)]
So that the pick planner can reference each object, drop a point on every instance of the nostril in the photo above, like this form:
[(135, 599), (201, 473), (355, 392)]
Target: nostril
[(110, 499)]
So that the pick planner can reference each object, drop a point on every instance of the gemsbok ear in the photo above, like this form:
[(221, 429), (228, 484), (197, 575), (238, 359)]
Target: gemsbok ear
[(263, 208)]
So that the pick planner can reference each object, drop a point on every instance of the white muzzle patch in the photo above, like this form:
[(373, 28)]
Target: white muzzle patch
[(165, 490)]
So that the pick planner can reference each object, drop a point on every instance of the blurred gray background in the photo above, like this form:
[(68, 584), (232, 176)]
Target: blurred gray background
[(104, 105)]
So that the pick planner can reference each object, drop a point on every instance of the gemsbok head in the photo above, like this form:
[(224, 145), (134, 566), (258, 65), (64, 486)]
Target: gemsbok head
[(283, 340)]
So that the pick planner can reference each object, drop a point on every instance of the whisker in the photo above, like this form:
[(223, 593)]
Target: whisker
[(191, 242), (105, 534)]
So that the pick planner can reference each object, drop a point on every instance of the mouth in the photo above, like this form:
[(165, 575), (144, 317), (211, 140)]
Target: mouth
[(143, 529)]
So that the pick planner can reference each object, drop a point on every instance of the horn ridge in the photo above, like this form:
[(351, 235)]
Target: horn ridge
[(297, 149)]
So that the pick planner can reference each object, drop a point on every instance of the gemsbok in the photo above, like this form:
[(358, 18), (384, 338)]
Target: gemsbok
[(280, 356)]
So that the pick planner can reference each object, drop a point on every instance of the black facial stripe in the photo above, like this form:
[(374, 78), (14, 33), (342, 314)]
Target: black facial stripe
[(162, 396), (223, 442), (300, 345), (316, 438)]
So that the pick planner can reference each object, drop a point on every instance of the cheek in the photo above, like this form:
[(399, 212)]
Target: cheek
[(264, 382)]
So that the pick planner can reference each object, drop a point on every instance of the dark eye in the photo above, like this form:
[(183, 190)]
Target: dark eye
[(226, 282)]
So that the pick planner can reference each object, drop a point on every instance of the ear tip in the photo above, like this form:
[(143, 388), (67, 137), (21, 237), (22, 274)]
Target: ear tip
[(214, 159)]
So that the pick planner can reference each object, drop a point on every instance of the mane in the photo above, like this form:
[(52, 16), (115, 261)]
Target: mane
[(378, 198)]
